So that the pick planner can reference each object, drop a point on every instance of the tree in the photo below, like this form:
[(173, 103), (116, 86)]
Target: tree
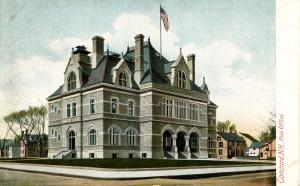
[(270, 131), (226, 126), (31, 120)]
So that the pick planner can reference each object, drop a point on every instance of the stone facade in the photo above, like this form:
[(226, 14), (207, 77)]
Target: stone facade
[(120, 108)]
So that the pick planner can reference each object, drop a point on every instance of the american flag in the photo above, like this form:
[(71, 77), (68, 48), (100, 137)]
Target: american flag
[(164, 18)]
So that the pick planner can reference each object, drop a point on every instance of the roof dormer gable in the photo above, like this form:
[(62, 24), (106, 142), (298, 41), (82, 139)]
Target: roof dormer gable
[(122, 76)]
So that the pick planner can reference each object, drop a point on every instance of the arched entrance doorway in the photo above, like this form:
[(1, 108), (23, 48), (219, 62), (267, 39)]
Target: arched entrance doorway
[(194, 144), (168, 144), (71, 137), (182, 145), (167, 141)]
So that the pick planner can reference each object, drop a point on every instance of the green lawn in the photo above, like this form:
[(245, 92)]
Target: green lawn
[(133, 163)]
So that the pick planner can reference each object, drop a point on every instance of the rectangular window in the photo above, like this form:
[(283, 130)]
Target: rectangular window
[(144, 155), (91, 155), (92, 105), (130, 156), (73, 109), (55, 108), (170, 108), (218, 138), (114, 105), (220, 151), (58, 138), (209, 119), (220, 144), (52, 131), (68, 110), (114, 155), (52, 107), (130, 108)]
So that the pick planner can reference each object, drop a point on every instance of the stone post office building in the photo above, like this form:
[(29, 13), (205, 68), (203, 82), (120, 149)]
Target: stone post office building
[(134, 105)]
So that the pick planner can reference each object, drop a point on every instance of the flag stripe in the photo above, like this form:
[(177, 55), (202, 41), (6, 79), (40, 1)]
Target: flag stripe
[(164, 18)]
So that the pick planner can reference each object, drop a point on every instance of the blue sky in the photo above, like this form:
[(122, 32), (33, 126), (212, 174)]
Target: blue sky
[(234, 43)]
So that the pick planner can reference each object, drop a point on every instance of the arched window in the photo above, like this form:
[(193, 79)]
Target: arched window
[(71, 136), (122, 79), (72, 81), (114, 136), (181, 79), (131, 137), (92, 137)]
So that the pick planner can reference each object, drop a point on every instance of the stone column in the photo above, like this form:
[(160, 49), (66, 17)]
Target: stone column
[(174, 147), (187, 147)]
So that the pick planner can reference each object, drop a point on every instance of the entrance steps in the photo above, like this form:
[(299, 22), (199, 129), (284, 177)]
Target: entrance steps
[(65, 154)]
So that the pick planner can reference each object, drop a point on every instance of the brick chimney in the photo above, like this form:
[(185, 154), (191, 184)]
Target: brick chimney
[(98, 50), (191, 65), (138, 58)]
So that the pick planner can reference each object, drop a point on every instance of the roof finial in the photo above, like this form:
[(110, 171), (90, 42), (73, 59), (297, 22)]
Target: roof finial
[(180, 50), (203, 80)]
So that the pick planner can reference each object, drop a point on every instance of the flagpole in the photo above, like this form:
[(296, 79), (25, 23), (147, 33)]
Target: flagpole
[(160, 29)]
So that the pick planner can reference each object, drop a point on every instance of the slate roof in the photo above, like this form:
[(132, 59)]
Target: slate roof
[(249, 137), (257, 145), (231, 136), (155, 69)]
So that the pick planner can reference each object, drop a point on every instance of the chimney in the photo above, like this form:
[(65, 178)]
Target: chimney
[(191, 66), (98, 50), (138, 58)]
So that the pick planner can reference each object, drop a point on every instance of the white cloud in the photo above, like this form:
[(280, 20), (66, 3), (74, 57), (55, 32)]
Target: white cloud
[(64, 46), (242, 97), (30, 81)]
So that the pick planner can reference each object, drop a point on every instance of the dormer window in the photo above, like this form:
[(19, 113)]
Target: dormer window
[(122, 79), (181, 79), (72, 81)]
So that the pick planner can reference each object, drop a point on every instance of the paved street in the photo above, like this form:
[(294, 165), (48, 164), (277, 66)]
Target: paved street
[(22, 178)]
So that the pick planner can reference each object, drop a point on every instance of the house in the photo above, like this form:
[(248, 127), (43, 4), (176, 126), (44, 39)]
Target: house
[(137, 104), (4, 146), (248, 138), (230, 145), (253, 150), (14, 150), (33, 145), (249, 141), (268, 150)]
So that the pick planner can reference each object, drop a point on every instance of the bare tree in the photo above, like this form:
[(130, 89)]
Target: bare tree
[(270, 131)]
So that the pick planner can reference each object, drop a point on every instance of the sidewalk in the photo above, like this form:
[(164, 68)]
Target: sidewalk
[(96, 173)]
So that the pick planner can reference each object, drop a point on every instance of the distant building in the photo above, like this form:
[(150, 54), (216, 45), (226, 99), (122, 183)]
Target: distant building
[(249, 140), (14, 150), (268, 151), (253, 150), (4, 146), (230, 145), (30, 146), (133, 105)]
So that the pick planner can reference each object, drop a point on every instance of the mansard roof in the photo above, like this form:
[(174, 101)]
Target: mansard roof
[(156, 69)]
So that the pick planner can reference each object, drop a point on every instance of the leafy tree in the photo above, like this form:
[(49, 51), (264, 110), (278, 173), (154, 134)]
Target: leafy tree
[(226, 126), (31, 120)]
